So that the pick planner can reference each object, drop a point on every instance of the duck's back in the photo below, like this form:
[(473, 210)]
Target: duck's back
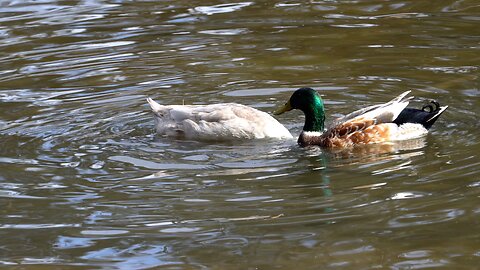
[(223, 121)]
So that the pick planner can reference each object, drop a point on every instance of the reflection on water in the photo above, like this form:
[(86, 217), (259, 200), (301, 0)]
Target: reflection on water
[(85, 182)]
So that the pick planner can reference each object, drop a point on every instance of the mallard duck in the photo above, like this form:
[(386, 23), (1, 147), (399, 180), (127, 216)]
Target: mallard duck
[(387, 122), (225, 121)]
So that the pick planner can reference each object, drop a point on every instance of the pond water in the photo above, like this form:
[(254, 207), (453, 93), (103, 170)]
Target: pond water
[(86, 184)]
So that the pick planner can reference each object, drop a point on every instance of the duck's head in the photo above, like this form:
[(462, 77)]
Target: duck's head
[(311, 104), (304, 99)]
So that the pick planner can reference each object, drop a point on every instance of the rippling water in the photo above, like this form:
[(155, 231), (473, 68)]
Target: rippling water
[(86, 183)]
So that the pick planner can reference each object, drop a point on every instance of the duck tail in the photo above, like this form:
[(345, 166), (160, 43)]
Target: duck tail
[(437, 113), (425, 116), (154, 105)]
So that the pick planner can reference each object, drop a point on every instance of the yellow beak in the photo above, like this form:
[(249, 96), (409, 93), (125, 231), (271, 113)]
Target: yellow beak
[(285, 108)]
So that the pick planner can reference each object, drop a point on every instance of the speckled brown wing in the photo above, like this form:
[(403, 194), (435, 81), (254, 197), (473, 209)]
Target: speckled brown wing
[(349, 127), (356, 131), (372, 134)]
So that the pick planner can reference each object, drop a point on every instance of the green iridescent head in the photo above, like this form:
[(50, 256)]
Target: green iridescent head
[(311, 104)]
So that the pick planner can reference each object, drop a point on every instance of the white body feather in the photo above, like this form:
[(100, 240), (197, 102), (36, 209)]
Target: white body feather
[(225, 121), (406, 131)]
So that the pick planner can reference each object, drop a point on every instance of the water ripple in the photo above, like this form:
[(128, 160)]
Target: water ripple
[(415, 219), (221, 8), (85, 182)]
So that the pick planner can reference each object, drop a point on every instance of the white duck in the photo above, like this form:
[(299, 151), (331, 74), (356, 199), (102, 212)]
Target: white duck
[(224, 121)]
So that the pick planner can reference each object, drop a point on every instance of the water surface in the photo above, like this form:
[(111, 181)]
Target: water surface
[(86, 183)]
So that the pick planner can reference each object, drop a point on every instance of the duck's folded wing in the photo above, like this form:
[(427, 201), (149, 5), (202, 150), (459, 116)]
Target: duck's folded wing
[(381, 113), (180, 113), (349, 127), (355, 114)]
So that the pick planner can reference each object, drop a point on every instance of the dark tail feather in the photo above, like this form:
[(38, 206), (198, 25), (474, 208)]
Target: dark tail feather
[(426, 116)]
